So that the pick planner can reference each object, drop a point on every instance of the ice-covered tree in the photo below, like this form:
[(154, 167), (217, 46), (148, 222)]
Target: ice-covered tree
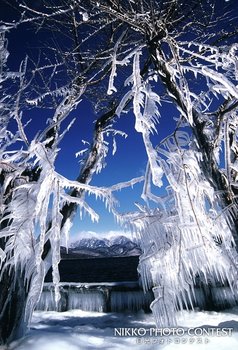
[(193, 64), (128, 56), (37, 203)]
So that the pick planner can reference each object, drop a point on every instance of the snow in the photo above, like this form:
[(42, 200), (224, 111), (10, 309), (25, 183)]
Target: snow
[(76, 329)]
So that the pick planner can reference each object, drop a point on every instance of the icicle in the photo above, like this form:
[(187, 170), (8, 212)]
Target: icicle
[(115, 62), (156, 170), (66, 231)]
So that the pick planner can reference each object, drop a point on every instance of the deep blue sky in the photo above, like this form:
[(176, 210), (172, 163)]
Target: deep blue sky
[(128, 162)]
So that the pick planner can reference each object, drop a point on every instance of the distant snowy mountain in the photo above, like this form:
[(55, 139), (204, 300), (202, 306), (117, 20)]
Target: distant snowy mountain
[(95, 247)]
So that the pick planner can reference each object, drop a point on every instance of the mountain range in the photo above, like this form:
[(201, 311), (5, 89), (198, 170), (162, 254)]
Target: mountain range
[(95, 247)]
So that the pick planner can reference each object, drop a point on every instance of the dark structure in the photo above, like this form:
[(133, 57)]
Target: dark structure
[(108, 284), (112, 284), (98, 270)]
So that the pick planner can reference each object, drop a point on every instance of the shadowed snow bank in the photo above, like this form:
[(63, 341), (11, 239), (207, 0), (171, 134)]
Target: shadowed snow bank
[(80, 330)]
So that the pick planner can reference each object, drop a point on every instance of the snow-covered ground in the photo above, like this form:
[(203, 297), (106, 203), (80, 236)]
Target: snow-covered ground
[(81, 330)]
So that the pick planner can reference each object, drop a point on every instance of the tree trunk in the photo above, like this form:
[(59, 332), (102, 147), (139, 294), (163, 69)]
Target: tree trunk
[(13, 298)]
